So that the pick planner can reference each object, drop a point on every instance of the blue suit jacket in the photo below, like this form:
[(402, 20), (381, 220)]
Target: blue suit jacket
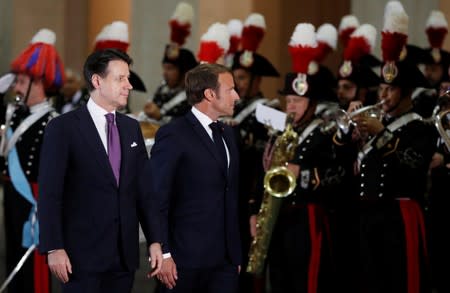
[(80, 208), (198, 197)]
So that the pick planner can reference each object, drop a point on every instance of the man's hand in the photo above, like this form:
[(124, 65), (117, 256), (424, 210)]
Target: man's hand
[(253, 221), (156, 258), (168, 274), (152, 111), (59, 264)]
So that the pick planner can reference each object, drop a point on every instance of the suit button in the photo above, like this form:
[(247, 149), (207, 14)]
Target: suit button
[(116, 220)]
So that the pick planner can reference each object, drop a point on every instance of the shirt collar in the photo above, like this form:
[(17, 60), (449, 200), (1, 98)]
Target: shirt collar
[(96, 110), (202, 117)]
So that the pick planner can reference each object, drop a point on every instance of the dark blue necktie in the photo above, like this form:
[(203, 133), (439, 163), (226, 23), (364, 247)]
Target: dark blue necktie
[(114, 153), (217, 129)]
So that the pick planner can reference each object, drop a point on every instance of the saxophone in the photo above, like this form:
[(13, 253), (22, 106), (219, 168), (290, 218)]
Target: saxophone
[(279, 182)]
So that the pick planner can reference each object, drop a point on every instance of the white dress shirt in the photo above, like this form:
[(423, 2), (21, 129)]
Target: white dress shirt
[(98, 115), (205, 121)]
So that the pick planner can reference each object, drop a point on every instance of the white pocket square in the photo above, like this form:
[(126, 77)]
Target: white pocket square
[(134, 144)]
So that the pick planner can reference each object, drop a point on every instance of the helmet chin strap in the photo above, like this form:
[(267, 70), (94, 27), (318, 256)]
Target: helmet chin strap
[(22, 103)]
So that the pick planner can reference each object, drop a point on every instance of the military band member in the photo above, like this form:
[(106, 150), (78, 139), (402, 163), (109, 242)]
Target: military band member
[(392, 175), (38, 71), (300, 258), (169, 100), (249, 68)]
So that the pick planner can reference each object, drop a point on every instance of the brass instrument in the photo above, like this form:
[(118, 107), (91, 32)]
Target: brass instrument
[(279, 182), (344, 119), (441, 117)]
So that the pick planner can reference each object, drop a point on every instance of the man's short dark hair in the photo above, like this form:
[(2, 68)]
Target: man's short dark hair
[(98, 61), (202, 77)]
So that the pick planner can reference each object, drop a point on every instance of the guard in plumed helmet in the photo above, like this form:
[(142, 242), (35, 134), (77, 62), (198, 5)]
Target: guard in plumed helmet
[(392, 168), (300, 258), (39, 71), (357, 80), (169, 100), (249, 68)]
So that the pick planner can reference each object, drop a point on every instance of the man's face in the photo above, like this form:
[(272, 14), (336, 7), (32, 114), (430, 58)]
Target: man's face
[(391, 95), (115, 86), (171, 75), (297, 105), (346, 92), (243, 81), (225, 96), (433, 73), (36, 94)]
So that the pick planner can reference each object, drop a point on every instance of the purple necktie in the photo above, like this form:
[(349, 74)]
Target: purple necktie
[(113, 145)]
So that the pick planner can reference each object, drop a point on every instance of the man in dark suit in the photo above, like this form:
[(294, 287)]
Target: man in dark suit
[(92, 187), (195, 176)]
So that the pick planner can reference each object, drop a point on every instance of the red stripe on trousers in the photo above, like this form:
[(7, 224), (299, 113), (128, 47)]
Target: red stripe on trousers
[(316, 245), (41, 271), (414, 225)]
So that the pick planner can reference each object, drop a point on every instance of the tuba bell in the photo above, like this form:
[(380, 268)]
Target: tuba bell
[(441, 117)]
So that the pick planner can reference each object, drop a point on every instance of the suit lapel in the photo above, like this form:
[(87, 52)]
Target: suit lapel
[(90, 134), (204, 137)]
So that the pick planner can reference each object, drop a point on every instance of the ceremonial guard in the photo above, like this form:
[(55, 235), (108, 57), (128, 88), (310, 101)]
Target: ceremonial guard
[(300, 254), (392, 174), (169, 101), (39, 71), (249, 68), (356, 79)]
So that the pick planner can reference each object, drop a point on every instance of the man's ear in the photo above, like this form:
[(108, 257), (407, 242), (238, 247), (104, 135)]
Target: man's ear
[(209, 94), (95, 79)]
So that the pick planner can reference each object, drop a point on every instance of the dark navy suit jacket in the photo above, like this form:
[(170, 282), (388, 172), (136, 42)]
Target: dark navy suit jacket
[(80, 208), (198, 196)]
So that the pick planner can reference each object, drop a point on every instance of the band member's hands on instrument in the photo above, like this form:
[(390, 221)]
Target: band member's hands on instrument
[(294, 168), (368, 126), (354, 105)]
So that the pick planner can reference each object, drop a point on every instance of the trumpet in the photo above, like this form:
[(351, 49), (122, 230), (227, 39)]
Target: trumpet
[(344, 119)]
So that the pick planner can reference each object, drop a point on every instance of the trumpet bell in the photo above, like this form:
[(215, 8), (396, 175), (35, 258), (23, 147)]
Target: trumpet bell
[(280, 182), (343, 119)]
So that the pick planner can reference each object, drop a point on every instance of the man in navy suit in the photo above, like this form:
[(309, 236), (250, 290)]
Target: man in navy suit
[(92, 192), (194, 174)]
